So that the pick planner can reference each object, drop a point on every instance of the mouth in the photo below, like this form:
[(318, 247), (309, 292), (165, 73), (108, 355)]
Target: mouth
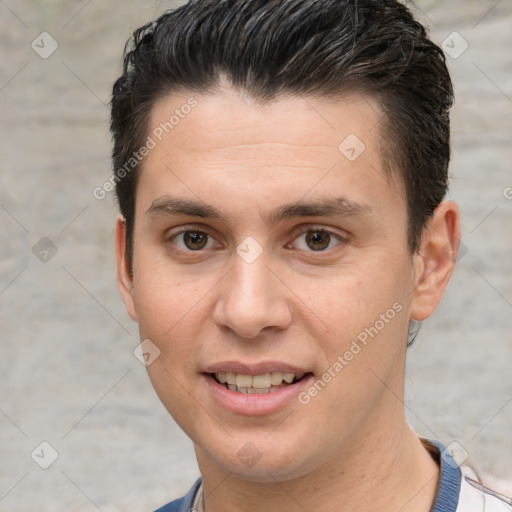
[(257, 384)]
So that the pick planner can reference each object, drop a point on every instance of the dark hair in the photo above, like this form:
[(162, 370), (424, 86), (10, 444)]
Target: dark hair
[(272, 48)]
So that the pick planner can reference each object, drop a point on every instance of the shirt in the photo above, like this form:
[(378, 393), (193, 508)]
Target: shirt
[(455, 492)]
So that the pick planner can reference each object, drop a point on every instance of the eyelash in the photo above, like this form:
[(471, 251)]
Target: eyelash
[(313, 229)]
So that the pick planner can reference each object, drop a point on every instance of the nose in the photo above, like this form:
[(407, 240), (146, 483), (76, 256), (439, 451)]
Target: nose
[(252, 298)]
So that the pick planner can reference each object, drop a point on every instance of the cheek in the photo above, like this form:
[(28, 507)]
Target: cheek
[(165, 299), (176, 394), (171, 314), (367, 316), (349, 303)]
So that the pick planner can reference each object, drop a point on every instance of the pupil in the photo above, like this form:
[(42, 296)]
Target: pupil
[(195, 239), (318, 240)]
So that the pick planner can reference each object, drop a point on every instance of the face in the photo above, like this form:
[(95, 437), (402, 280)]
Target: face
[(272, 272)]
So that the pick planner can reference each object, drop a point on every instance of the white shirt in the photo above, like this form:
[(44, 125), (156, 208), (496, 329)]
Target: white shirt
[(472, 499)]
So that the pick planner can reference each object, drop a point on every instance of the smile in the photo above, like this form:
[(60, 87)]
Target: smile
[(256, 384)]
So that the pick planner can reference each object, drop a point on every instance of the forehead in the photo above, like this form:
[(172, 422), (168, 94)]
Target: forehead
[(294, 121), (281, 149)]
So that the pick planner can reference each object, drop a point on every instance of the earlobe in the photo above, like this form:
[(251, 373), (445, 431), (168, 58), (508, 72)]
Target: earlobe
[(124, 277), (435, 259)]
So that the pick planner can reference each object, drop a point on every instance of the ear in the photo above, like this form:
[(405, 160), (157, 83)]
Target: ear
[(124, 277), (435, 259)]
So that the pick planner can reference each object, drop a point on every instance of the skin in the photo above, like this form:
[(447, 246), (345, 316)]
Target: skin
[(350, 447)]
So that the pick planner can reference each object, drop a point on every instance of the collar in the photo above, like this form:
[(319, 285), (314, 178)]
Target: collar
[(448, 489)]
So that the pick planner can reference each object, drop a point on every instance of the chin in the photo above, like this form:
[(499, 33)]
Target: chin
[(256, 459)]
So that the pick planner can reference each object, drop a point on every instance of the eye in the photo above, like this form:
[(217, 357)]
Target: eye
[(192, 240), (318, 240)]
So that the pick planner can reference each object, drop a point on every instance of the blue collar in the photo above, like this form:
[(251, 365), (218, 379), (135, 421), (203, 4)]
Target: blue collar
[(448, 490)]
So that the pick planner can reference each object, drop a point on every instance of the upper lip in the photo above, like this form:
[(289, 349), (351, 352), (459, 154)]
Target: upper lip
[(240, 368)]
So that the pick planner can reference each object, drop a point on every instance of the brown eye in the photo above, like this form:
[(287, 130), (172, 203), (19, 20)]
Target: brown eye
[(195, 240), (318, 240)]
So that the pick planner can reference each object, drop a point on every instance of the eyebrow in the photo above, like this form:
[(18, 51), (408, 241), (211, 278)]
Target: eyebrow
[(172, 206)]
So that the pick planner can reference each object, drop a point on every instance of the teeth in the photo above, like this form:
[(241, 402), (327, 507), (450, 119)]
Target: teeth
[(276, 378), (264, 383), (256, 391), (261, 381), (288, 377), (244, 381)]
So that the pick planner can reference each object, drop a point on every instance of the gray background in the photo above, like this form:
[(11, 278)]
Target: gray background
[(67, 372)]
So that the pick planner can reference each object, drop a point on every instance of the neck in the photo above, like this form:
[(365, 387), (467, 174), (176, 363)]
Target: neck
[(388, 473)]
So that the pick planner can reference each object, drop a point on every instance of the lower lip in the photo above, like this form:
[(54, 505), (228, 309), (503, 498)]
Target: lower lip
[(255, 404)]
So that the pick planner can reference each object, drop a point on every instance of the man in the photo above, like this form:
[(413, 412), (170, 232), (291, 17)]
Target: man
[(280, 167)]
